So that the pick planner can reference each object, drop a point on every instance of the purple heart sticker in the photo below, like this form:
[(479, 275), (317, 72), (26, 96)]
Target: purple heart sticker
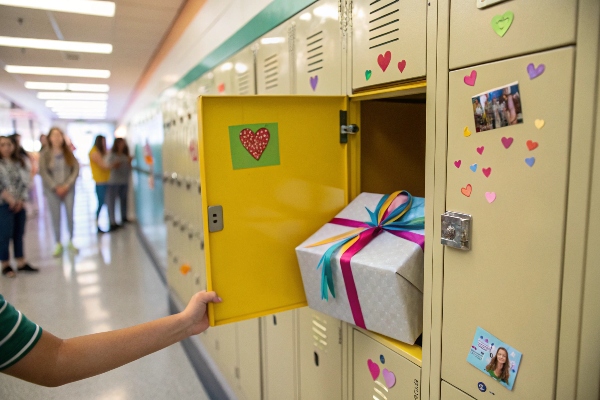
[(486, 340), (313, 82), (534, 72)]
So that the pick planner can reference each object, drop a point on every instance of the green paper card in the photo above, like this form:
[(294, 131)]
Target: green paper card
[(254, 145)]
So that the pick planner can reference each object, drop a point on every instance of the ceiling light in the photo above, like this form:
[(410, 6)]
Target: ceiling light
[(272, 40), (71, 96), (62, 45), (81, 117), (75, 87), (80, 72), (89, 7), (75, 104)]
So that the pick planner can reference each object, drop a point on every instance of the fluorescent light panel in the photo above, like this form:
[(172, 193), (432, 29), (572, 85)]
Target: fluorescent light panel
[(89, 7), (71, 96), (61, 45), (75, 87), (79, 72)]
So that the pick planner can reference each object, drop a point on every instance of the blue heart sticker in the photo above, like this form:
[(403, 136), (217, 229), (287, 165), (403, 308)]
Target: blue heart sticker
[(530, 161), (473, 167)]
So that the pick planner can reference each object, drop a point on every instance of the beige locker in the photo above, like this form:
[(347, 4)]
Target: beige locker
[(224, 78), (224, 350), (318, 45), (319, 355), (388, 41), (273, 62), (280, 371), (449, 392), (249, 372), (243, 72), (510, 282), (381, 373), (525, 26)]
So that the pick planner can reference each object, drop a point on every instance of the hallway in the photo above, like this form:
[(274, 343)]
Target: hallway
[(110, 284)]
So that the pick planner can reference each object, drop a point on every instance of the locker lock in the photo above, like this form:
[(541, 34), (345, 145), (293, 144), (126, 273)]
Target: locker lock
[(456, 230)]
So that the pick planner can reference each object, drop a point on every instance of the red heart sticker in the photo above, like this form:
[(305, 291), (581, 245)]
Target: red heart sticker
[(531, 145), (255, 143), (384, 60), (402, 65), (486, 172)]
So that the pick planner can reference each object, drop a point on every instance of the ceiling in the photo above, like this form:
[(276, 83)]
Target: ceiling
[(136, 31)]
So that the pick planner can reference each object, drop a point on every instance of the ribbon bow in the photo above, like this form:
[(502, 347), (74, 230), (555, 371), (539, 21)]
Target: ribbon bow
[(388, 217)]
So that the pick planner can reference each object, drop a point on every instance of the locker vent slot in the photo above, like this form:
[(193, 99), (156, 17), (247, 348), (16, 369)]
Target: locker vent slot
[(319, 332), (244, 82), (271, 72), (314, 51), (383, 23), (380, 391)]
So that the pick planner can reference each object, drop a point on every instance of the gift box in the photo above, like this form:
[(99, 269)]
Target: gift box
[(365, 266)]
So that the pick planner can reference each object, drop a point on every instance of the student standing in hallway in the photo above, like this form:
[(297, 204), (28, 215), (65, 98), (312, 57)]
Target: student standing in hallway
[(59, 170), (13, 194), (100, 173), (118, 183)]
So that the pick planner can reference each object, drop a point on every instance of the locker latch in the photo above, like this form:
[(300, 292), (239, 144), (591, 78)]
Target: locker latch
[(346, 129), (456, 230), (215, 218)]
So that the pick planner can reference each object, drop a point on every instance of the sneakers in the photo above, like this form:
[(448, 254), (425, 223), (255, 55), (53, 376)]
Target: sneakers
[(27, 268), (58, 250), (8, 272), (72, 248)]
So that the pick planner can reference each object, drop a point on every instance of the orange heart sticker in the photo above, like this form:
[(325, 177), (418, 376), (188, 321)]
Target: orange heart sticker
[(467, 190), (185, 269), (531, 145)]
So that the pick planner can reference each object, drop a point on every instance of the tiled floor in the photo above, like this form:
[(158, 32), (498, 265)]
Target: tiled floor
[(110, 284)]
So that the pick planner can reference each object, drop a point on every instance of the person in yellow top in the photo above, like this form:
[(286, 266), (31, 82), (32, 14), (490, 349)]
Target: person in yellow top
[(100, 172)]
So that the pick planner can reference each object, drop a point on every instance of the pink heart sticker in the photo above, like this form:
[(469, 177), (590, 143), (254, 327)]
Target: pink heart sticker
[(480, 149), (373, 369), (402, 65), (507, 142), (490, 196), (457, 163), (384, 60), (389, 377), (486, 172), (470, 79)]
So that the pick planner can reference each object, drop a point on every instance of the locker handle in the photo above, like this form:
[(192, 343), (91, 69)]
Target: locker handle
[(316, 359)]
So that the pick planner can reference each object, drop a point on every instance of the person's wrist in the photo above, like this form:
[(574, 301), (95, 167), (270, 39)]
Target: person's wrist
[(186, 324)]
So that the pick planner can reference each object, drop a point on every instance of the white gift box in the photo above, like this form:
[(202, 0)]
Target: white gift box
[(388, 275)]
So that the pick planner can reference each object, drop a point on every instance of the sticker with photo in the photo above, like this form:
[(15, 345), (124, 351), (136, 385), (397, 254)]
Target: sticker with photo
[(494, 358), (498, 108)]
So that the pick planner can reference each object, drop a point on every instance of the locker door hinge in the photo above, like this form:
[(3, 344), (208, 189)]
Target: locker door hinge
[(346, 129)]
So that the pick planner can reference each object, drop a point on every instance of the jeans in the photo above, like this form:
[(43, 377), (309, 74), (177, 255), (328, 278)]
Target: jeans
[(12, 226)]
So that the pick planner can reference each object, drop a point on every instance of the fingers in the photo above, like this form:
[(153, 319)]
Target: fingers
[(209, 297)]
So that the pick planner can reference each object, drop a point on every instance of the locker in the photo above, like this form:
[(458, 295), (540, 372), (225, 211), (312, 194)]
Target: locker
[(319, 355), (249, 358), (518, 210), (388, 41), (224, 352), (273, 62), (224, 78), (379, 372), (280, 369), (318, 49), (527, 27), (449, 392), (243, 71)]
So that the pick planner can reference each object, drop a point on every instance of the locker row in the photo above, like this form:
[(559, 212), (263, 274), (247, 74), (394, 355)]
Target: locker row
[(470, 106)]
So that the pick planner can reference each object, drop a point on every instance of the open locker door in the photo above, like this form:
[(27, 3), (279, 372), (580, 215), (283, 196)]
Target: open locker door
[(276, 168)]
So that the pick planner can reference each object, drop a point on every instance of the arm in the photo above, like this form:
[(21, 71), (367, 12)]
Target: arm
[(97, 158), (45, 171), (72, 176), (55, 362)]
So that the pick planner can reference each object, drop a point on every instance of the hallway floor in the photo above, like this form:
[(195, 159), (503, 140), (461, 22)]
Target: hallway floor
[(110, 284)]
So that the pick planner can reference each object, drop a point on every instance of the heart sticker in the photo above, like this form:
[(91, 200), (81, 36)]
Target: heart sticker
[(384, 60), (389, 377), (470, 79), (501, 23), (467, 190), (467, 132), (368, 74), (534, 71), (507, 142), (221, 88), (530, 161), (531, 145), (473, 167), (480, 149), (457, 163), (313, 82), (373, 369), (402, 65), (185, 269), (490, 196), (486, 171), (539, 123), (255, 143)]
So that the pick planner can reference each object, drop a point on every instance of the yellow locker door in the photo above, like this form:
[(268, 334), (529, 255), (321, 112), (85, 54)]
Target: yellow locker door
[(271, 206), (512, 179)]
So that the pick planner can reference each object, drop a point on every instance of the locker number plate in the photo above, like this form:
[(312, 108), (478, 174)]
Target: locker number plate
[(456, 230)]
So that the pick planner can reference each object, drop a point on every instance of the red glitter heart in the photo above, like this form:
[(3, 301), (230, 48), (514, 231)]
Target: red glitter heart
[(255, 143)]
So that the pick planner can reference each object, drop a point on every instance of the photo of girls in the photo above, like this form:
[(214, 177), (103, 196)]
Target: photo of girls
[(498, 108)]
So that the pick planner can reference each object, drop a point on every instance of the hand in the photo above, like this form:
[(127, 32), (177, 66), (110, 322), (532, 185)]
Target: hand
[(18, 206), (12, 203), (195, 313), (61, 190)]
